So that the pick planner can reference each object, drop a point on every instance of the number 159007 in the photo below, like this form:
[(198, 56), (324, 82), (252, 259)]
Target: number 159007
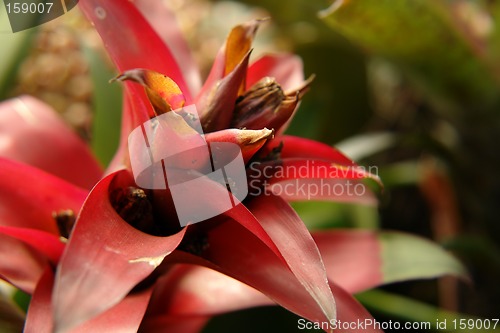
[(32, 8)]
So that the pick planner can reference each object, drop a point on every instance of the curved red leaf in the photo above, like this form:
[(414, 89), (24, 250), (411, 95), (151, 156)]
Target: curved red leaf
[(295, 277), (104, 259), (311, 170), (125, 317), (279, 231), (297, 147), (249, 141), (39, 316), (29, 196), (352, 258), (130, 40), (20, 264), (32, 133), (189, 293), (350, 312), (235, 252), (190, 290), (45, 243), (287, 69), (297, 247), (132, 43), (173, 324)]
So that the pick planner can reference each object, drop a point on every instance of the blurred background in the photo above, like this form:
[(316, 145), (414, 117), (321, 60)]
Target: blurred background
[(411, 87)]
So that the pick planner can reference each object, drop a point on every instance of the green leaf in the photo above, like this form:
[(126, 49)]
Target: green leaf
[(407, 309), (11, 316), (22, 300), (107, 104), (406, 257), (15, 47), (324, 215), (381, 258), (401, 173), (425, 40), (364, 145), (478, 249), (494, 37)]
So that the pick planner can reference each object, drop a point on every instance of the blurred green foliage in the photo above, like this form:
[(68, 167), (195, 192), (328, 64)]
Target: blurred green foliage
[(423, 38), (13, 51), (107, 107), (445, 54), (411, 86)]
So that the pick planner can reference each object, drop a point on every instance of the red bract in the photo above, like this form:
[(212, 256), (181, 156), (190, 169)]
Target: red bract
[(30, 132), (127, 265)]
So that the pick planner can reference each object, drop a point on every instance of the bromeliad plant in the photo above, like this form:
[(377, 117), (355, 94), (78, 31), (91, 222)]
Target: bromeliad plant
[(97, 253)]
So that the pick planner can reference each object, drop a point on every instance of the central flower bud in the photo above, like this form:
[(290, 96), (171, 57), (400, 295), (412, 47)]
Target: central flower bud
[(264, 95), (264, 105), (261, 101)]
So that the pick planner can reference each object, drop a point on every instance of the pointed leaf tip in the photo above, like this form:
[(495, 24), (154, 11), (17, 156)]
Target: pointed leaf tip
[(408, 257), (297, 248), (249, 141), (163, 93), (239, 42)]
